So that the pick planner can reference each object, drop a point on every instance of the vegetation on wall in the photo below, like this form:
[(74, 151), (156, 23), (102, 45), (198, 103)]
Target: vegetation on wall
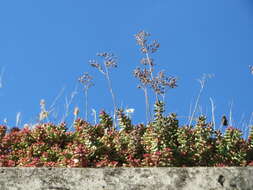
[(160, 143), (116, 142)]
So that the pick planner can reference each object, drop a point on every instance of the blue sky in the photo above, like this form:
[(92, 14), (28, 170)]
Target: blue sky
[(46, 45)]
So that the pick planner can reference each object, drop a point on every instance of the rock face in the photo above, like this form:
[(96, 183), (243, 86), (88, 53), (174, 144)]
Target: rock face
[(230, 178)]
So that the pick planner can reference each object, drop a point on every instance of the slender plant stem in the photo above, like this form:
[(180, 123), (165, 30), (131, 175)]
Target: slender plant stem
[(189, 116), (202, 86), (150, 66), (251, 119), (95, 116), (67, 105), (1, 77), (163, 95), (196, 104), (51, 108), (213, 108), (112, 94), (151, 72), (72, 125), (86, 104), (147, 104), (230, 114), (18, 119)]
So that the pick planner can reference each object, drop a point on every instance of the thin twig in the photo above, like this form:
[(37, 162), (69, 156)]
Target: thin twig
[(110, 61), (230, 114), (86, 105), (18, 119), (112, 94), (86, 81), (197, 102), (190, 111), (213, 116), (242, 123), (94, 113), (202, 85), (76, 112), (68, 103), (1, 77), (148, 113), (251, 119), (151, 72), (51, 108)]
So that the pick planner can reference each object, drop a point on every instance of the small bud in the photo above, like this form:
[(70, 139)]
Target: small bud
[(224, 121)]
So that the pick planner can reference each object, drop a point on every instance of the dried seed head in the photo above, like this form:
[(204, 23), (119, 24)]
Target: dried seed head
[(86, 81), (110, 60), (161, 81), (147, 61), (172, 82), (143, 75), (94, 63), (144, 50), (142, 40), (42, 104), (154, 46)]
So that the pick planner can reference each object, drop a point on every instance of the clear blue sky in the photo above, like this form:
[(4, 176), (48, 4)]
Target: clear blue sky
[(46, 45)]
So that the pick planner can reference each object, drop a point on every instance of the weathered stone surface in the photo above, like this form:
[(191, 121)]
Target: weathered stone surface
[(126, 178)]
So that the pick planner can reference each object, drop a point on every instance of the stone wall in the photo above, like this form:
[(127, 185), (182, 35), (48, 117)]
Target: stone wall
[(126, 178)]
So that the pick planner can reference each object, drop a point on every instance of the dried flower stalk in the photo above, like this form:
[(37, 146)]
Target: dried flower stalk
[(109, 61), (146, 75), (86, 81)]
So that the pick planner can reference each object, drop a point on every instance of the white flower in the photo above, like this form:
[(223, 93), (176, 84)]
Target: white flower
[(5, 121), (26, 125), (76, 161), (130, 110)]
